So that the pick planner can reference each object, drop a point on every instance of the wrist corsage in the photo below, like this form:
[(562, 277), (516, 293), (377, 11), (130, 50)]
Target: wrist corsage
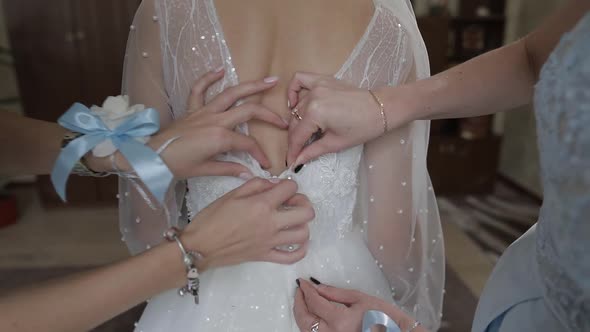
[(116, 126)]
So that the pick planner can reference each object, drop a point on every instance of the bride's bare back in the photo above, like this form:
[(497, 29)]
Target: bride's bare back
[(376, 228), (280, 37)]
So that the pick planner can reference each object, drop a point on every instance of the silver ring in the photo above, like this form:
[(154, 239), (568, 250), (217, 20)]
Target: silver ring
[(289, 247), (315, 327), (295, 113), (416, 324)]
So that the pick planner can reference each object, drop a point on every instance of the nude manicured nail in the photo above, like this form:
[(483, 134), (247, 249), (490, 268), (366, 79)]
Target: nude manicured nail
[(246, 176), (271, 79), (274, 180), (219, 69)]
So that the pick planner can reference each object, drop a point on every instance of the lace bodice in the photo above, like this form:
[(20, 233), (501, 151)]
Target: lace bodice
[(330, 183), (562, 102)]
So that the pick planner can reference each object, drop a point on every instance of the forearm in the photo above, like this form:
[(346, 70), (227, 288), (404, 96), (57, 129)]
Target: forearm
[(496, 81), (81, 302), (28, 146)]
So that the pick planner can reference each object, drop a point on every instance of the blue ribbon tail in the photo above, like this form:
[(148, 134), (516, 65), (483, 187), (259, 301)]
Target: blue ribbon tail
[(148, 165), (68, 158), (374, 317)]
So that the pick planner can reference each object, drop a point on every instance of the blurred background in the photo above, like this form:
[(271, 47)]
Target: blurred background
[(485, 170)]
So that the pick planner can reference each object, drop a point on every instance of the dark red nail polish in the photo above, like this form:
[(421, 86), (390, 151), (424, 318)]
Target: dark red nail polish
[(315, 281), (298, 168), (298, 283)]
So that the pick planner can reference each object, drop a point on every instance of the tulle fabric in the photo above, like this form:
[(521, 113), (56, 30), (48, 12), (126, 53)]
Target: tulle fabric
[(378, 228)]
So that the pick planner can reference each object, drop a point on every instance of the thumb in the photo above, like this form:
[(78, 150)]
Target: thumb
[(300, 81), (253, 187), (221, 168), (340, 295)]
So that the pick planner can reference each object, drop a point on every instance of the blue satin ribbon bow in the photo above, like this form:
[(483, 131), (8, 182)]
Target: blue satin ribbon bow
[(147, 164), (374, 317)]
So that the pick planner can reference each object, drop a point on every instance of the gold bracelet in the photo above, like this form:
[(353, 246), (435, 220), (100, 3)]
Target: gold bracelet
[(381, 109)]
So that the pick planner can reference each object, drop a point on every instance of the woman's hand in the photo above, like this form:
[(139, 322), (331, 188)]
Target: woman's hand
[(208, 130), (348, 116), (314, 303), (249, 223)]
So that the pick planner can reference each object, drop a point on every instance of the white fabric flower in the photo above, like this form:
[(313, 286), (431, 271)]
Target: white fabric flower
[(114, 111)]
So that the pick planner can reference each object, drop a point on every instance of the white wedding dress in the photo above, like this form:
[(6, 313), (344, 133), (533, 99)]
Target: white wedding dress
[(377, 227)]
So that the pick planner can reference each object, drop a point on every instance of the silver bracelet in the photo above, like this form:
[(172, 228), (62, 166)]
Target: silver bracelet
[(416, 324), (188, 258)]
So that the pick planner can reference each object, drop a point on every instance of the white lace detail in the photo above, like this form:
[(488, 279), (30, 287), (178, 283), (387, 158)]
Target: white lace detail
[(330, 183)]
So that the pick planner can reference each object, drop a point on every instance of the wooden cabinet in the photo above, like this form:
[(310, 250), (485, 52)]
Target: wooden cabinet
[(67, 51), (458, 166), (463, 153), (435, 31)]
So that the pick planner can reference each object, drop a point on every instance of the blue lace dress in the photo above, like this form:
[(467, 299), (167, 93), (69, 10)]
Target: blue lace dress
[(542, 282)]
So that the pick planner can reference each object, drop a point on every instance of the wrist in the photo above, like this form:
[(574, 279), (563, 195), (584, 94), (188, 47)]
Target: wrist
[(400, 108), (104, 164), (379, 122), (168, 260), (196, 242), (176, 265)]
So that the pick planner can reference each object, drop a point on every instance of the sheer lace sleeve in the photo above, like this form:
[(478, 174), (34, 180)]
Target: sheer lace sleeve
[(397, 203), (142, 219), (143, 77)]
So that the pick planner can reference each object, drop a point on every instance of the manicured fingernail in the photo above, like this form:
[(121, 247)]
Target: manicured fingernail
[(298, 168), (315, 281), (288, 104), (271, 79), (219, 69), (246, 176), (274, 180), (298, 283)]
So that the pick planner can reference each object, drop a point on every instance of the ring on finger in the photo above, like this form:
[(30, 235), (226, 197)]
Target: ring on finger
[(289, 247), (414, 326), (295, 113), (315, 327)]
